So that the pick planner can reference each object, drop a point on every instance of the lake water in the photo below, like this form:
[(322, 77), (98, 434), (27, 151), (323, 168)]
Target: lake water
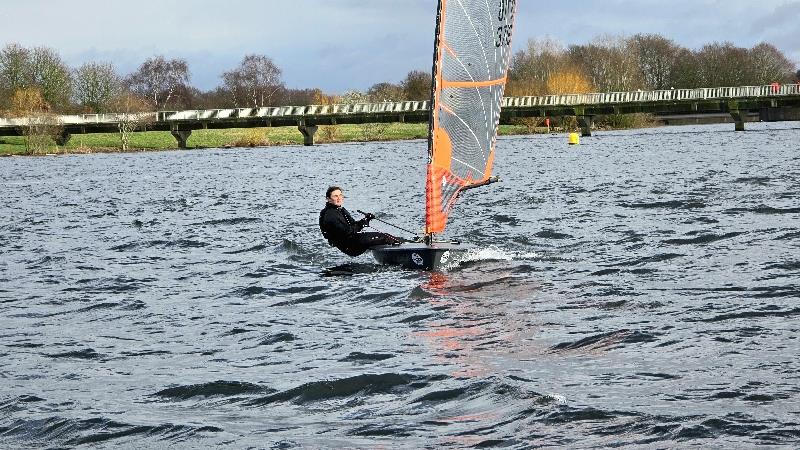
[(641, 289)]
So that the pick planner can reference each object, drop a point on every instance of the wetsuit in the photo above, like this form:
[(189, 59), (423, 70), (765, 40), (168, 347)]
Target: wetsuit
[(344, 233)]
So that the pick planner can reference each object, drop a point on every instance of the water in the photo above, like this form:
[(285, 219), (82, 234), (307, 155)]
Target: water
[(638, 290)]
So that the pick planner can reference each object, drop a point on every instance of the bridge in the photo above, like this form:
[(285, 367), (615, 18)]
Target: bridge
[(771, 103)]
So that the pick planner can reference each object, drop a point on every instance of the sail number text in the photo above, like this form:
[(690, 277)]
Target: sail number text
[(505, 14)]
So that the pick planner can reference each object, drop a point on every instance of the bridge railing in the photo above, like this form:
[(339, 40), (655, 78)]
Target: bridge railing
[(653, 96), (288, 111), (773, 90), (79, 119)]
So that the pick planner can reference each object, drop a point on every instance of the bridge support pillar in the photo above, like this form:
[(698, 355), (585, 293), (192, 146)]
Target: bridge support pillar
[(739, 117), (308, 133), (182, 136), (585, 122), (63, 138)]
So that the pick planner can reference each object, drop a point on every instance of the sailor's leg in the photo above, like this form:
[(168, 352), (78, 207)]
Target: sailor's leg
[(371, 239)]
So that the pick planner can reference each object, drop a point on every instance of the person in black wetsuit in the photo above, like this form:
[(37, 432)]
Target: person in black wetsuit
[(343, 232)]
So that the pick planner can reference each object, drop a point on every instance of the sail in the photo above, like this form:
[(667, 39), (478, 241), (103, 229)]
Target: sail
[(471, 56)]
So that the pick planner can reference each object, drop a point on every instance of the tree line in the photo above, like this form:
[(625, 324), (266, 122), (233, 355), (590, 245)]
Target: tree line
[(642, 61), (38, 78)]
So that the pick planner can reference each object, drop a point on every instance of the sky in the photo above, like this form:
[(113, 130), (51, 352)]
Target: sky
[(339, 45)]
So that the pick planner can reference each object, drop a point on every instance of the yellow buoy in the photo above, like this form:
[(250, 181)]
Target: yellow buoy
[(574, 139)]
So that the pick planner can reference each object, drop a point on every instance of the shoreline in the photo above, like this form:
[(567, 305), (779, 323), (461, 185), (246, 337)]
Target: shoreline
[(151, 141)]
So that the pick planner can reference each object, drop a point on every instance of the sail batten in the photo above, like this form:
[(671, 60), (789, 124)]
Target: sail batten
[(471, 56)]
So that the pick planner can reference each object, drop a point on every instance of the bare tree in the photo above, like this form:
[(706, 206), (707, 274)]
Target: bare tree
[(687, 73), (610, 64), (657, 59), (417, 85), (40, 126), (723, 64), (15, 70), (768, 65), (132, 114), (95, 85), (385, 92), (216, 98), (353, 97), (254, 82), (52, 76), (533, 66), (310, 96), (159, 79)]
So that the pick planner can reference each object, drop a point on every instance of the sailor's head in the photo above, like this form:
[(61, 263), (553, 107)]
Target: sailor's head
[(334, 196)]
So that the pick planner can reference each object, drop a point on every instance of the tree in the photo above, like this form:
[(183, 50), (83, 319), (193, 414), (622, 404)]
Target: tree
[(531, 67), (40, 126), (159, 79), (610, 63), (723, 64), (687, 73), (353, 97), (216, 98), (132, 115), (254, 82), (568, 82), (417, 85), (312, 96), (27, 101), (657, 59), (95, 85), (14, 70), (768, 65), (386, 92), (52, 76)]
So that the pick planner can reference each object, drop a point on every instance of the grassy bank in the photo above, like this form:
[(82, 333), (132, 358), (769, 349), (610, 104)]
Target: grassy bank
[(232, 137), (240, 137)]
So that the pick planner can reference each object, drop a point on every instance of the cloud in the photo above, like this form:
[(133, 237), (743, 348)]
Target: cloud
[(344, 44)]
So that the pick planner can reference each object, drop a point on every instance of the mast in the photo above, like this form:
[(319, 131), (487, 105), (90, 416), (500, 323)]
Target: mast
[(432, 114)]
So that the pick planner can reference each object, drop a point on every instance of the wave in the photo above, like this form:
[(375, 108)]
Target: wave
[(762, 209), (366, 357), (791, 265), (669, 204), (231, 221), (345, 387), (61, 432), (603, 341), (550, 234), (87, 353), (703, 238), (756, 314), (255, 248), (661, 257), (213, 389), (758, 181), (277, 338), (159, 243)]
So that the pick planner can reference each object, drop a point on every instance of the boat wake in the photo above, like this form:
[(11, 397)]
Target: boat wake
[(491, 253)]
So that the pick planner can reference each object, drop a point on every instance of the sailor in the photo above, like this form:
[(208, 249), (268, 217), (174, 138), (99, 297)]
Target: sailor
[(343, 232)]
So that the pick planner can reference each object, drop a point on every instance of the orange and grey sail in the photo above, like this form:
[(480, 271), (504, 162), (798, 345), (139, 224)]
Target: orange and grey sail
[(471, 56)]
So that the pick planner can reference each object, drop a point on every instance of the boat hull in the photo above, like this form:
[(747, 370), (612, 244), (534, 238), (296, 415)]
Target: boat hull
[(417, 255)]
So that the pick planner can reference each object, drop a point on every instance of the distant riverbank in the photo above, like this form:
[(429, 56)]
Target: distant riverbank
[(241, 137)]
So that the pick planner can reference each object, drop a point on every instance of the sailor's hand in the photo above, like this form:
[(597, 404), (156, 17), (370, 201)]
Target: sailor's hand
[(369, 216)]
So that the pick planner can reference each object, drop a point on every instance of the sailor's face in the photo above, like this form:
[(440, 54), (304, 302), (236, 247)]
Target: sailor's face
[(336, 198)]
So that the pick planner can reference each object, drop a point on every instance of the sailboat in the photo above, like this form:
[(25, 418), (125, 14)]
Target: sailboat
[(472, 50)]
